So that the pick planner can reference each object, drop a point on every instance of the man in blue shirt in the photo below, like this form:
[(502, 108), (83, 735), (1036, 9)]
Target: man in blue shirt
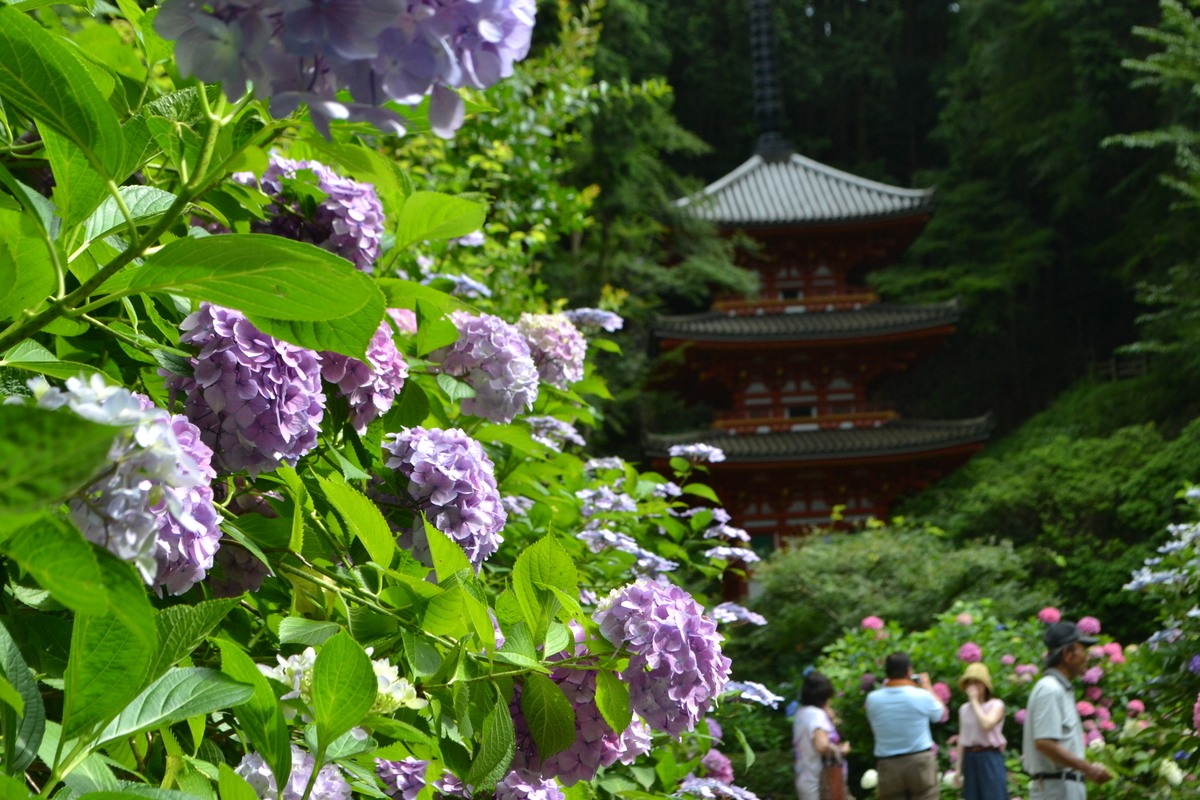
[(900, 713)]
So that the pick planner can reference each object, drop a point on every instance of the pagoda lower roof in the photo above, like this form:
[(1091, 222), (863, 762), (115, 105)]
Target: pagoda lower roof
[(896, 438), (795, 190), (880, 319)]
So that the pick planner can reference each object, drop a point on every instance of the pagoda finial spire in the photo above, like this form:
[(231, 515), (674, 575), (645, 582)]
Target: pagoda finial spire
[(768, 99)]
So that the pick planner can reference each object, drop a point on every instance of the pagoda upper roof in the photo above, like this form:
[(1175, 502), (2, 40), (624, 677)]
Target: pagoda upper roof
[(879, 319), (898, 437), (794, 190)]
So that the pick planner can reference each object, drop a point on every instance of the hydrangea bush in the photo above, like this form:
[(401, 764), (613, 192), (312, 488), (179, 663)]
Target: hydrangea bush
[(280, 518)]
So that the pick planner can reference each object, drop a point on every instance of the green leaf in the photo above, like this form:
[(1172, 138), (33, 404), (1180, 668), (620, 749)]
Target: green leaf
[(544, 562), (78, 187), (30, 355), (143, 202), (496, 750), (233, 786), (362, 519), (549, 714), (455, 388), (517, 438), (127, 599), (42, 77), (749, 751), (612, 698), (349, 336), (11, 697), (23, 733), (62, 562), (410, 409), (446, 613), (13, 789), (607, 345), (25, 264), (344, 687), (298, 630), (428, 216), (405, 294), (366, 165), (260, 717), (107, 665), (177, 695), (47, 455), (93, 775), (701, 490), (182, 628), (434, 330), (448, 557)]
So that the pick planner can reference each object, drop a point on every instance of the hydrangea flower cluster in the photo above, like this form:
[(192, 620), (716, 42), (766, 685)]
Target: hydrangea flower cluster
[(464, 285), (243, 571), (1093, 675), (1089, 626), (379, 50), (404, 319), (154, 507), (668, 489), (329, 785), (256, 400), (717, 766), (295, 672), (699, 453), (713, 789), (523, 785), (392, 691), (557, 347), (516, 506), (369, 387), (872, 623), (403, 779), (553, 433), (724, 531), (602, 500), (597, 464), (754, 692), (1049, 615), (596, 743), (733, 613), (448, 785), (455, 483), (494, 359), (970, 653), (733, 554), (348, 222), (648, 563), (677, 667), (595, 319)]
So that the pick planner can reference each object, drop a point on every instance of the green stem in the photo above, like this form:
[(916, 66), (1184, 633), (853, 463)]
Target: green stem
[(320, 762), (115, 191), (129, 340)]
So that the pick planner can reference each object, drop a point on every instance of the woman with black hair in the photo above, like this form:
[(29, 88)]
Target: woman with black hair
[(814, 738)]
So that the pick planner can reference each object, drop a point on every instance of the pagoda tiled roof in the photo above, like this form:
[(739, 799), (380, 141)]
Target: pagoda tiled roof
[(898, 437), (795, 190), (805, 325)]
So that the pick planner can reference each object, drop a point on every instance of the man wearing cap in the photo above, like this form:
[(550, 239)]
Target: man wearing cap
[(1053, 743), (900, 713)]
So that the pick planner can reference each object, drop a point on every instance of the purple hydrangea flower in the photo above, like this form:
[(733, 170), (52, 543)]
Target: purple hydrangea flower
[(970, 652), (243, 571), (524, 785), (553, 433), (596, 743), (732, 612), (714, 728), (712, 789), (349, 221), (723, 531), (755, 692), (597, 464), (1194, 665), (718, 766), (154, 506), (464, 286), (450, 786), (403, 779), (677, 667), (648, 563), (516, 505), (733, 554), (473, 239), (330, 785), (494, 359), (369, 387), (604, 500), (1093, 675), (455, 483), (557, 347), (256, 400), (595, 319), (668, 489), (404, 319), (697, 453)]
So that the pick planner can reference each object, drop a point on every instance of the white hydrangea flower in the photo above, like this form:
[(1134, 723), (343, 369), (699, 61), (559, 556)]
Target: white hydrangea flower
[(296, 673), (1170, 771), (870, 779), (394, 691)]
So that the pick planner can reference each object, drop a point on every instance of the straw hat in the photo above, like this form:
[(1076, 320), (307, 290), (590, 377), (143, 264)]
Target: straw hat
[(976, 672)]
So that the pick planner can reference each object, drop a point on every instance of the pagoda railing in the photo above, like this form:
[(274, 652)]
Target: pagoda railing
[(797, 305), (753, 421)]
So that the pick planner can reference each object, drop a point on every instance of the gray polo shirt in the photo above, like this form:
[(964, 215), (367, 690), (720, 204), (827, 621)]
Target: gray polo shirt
[(1051, 714)]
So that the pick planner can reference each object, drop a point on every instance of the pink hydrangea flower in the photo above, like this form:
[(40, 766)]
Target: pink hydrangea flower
[(1050, 615), (1093, 693), (1008, 659), (942, 691), (1020, 716), (1092, 736), (1088, 626), (1117, 657), (964, 619), (1093, 675), (1136, 706), (1108, 725), (1196, 714), (1112, 649), (872, 623), (1103, 714), (1085, 708), (970, 653)]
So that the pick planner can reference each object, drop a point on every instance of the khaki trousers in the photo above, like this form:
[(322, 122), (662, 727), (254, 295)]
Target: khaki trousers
[(913, 777)]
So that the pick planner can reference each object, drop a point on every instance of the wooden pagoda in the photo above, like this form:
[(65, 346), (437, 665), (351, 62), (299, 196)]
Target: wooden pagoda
[(789, 371)]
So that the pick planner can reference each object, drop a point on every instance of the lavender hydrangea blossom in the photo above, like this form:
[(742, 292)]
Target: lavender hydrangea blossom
[(677, 667), (403, 779), (464, 285), (329, 785), (243, 571), (256, 400), (733, 613), (713, 789), (448, 785), (648, 563), (697, 453), (494, 359), (303, 51), (595, 319), (755, 692), (454, 482), (603, 500), (348, 222), (597, 464), (553, 433), (718, 766), (516, 505), (723, 531), (733, 554), (369, 387), (557, 347), (524, 785)]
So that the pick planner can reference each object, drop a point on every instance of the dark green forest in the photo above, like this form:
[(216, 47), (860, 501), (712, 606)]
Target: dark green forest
[(1066, 226)]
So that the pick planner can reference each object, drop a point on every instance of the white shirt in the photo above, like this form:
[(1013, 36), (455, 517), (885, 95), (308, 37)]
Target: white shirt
[(806, 759)]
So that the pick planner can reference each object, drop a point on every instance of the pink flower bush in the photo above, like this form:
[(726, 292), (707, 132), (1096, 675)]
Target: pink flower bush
[(1085, 708), (1136, 706), (1093, 693), (1093, 675), (1089, 626), (1196, 714), (970, 653), (964, 619), (1008, 659), (1050, 615), (872, 623), (1103, 714), (942, 691), (1020, 716)]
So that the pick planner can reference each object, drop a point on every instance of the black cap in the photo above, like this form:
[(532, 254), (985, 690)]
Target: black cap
[(1061, 634)]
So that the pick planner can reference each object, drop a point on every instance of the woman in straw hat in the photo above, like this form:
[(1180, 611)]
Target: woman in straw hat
[(981, 743)]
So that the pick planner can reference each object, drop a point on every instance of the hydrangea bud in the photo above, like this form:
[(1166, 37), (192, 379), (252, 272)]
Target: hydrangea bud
[(454, 482), (329, 785), (493, 358), (256, 400), (403, 779), (524, 785), (557, 347), (369, 387), (676, 668)]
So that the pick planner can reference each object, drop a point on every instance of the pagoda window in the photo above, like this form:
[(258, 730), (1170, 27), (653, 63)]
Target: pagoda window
[(790, 294), (801, 411), (840, 383)]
